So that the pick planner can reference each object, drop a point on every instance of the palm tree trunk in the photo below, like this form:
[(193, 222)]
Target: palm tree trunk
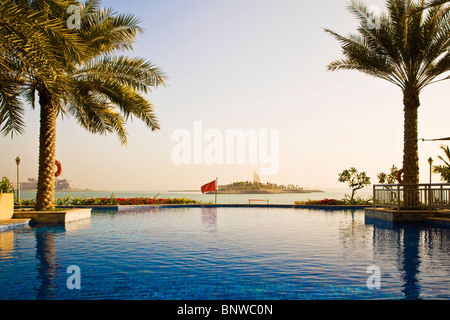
[(411, 104), (45, 197)]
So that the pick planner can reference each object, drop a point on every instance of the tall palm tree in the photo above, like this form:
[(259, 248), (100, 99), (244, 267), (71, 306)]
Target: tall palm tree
[(444, 170), (409, 47), (35, 47), (101, 88)]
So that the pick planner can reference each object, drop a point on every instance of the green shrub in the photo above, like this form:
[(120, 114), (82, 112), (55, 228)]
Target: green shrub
[(6, 186), (333, 202)]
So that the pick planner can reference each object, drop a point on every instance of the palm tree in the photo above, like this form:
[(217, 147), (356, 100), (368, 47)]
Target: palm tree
[(409, 48), (34, 46), (389, 178), (101, 89), (444, 170)]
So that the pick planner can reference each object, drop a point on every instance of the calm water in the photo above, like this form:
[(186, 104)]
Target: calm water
[(226, 253), (286, 198)]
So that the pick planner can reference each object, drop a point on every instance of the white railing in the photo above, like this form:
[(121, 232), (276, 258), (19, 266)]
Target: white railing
[(435, 195)]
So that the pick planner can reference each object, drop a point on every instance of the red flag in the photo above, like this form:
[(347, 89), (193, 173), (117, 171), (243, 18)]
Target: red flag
[(209, 187)]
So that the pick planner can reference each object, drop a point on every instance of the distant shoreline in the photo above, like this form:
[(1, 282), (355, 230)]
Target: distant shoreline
[(265, 191), (67, 190)]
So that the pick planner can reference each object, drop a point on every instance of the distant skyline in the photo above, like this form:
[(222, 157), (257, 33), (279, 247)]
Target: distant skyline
[(255, 65)]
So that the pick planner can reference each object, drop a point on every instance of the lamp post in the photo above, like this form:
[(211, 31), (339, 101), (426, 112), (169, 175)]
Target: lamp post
[(18, 178), (430, 162)]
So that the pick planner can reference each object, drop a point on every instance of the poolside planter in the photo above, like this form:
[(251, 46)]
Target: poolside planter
[(6, 205)]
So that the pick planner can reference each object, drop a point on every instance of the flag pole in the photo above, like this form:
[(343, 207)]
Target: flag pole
[(216, 190)]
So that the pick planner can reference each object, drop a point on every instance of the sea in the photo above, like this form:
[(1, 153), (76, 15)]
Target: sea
[(282, 198)]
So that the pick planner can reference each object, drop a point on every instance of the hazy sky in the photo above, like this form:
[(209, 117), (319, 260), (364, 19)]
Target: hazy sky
[(245, 64)]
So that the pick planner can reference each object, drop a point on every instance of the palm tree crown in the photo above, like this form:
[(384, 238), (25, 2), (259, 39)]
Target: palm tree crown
[(28, 49), (409, 48)]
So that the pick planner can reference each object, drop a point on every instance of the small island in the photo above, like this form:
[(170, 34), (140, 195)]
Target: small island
[(245, 187)]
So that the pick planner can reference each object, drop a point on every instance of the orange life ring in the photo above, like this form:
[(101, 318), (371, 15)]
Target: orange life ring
[(399, 176), (59, 168)]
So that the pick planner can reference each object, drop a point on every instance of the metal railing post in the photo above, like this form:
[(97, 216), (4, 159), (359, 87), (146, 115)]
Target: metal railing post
[(430, 196), (374, 201)]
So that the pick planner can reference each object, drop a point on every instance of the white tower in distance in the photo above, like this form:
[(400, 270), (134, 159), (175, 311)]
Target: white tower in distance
[(256, 177)]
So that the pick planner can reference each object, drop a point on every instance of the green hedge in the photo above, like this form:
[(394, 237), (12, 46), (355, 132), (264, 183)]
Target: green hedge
[(74, 201)]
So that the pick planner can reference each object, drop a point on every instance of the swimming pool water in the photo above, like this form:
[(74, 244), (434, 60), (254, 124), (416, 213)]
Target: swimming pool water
[(226, 254)]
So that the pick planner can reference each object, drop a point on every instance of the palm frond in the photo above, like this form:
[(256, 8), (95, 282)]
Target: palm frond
[(139, 74), (107, 31), (435, 3), (447, 154), (130, 103), (95, 114), (11, 108)]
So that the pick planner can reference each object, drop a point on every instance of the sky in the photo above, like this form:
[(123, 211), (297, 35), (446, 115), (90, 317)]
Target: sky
[(255, 65)]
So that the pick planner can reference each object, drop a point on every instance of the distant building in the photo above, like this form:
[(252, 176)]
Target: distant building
[(256, 177), (60, 185), (63, 185), (31, 184)]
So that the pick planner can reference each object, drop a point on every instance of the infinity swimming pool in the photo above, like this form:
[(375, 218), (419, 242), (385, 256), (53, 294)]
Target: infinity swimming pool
[(225, 254)]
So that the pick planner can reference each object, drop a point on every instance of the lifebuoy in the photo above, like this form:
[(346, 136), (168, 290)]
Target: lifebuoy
[(58, 168), (399, 176)]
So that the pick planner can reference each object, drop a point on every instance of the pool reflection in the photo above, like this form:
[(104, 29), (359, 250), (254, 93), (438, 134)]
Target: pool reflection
[(6, 244), (45, 253), (209, 218), (414, 245)]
